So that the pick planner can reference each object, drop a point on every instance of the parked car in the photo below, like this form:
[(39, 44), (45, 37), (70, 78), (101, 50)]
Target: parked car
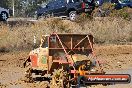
[(124, 3), (118, 3), (69, 8), (4, 14)]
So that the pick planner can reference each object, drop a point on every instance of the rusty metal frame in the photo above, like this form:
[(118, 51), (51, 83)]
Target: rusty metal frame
[(71, 48), (76, 44), (80, 42), (61, 43)]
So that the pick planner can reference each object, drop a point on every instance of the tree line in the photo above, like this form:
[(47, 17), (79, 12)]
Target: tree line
[(22, 8)]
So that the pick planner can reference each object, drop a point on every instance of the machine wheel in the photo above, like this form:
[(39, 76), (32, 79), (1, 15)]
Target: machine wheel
[(4, 16)]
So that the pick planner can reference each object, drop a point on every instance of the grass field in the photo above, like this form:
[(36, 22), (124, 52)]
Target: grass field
[(105, 31)]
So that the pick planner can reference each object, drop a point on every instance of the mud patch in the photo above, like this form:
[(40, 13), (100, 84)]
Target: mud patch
[(12, 72)]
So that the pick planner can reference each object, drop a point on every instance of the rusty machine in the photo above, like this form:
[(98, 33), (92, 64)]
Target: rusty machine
[(68, 59)]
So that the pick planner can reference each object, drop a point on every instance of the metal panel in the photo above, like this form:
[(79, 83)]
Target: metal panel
[(70, 44), (34, 60)]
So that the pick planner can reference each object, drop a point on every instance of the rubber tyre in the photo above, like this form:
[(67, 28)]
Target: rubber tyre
[(4, 16), (72, 15)]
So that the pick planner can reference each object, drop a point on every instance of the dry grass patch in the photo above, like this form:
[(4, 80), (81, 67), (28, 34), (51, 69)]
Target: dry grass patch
[(105, 30)]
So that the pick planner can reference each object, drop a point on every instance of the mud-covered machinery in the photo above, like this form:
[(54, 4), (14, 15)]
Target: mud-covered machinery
[(68, 59)]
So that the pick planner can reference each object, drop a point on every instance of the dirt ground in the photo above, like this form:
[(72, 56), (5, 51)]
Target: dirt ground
[(114, 58)]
